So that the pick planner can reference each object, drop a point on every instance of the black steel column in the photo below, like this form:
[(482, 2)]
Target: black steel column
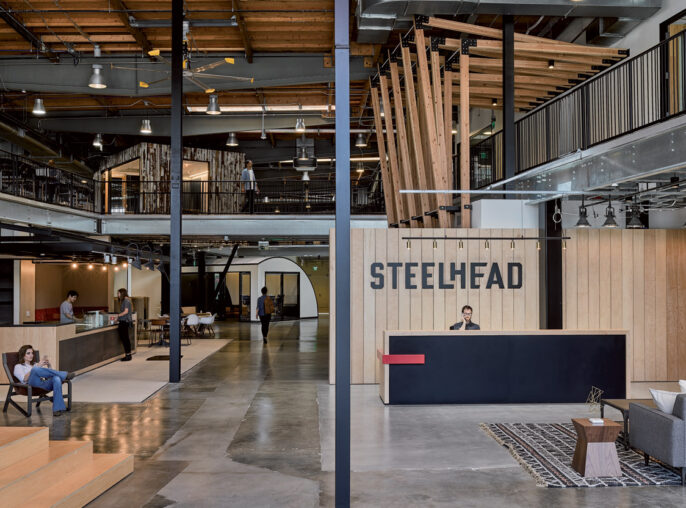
[(550, 261), (508, 98), (202, 282), (175, 198), (342, 55)]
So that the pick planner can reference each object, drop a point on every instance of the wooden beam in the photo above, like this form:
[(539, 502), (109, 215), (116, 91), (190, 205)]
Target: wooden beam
[(448, 119), (392, 153), (244, 31), (415, 134), (551, 50), (410, 200), (464, 140), (476, 77), (435, 156), (390, 194), (440, 170), (496, 33), (121, 10)]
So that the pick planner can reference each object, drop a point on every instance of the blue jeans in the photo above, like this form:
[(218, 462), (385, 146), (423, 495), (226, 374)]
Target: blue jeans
[(53, 382)]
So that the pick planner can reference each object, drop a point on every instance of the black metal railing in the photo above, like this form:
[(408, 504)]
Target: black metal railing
[(635, 93), (30, 179), (275, 196)]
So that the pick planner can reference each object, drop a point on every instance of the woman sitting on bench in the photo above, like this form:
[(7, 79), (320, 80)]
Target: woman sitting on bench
[(40, 375)]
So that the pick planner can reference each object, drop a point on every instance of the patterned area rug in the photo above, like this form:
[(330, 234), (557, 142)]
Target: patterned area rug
[(545, 450)]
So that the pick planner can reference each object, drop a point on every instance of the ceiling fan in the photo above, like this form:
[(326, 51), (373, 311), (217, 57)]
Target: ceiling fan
[(189, 73)]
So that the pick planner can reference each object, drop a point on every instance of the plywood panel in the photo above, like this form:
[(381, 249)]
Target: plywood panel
[(404, 298), (369, 325), (582, 280), (518, 255), (649, 331), (380, 309), (672, 305), (681, 312), (639, 306), (593, 254), (488, 302), (427, 295), (416, 309), (605, 279), (569, 259), (356, 306), (531, 283), (450, 252), (616, 282), (438, 293), (661, 304), (391, 237), (507, 294), (628, 282)]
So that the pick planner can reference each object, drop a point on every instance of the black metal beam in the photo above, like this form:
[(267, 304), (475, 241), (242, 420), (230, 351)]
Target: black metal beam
[(342, 438), (19, 27), (550, 261), (175, 193), (222, 277), (508, 98)]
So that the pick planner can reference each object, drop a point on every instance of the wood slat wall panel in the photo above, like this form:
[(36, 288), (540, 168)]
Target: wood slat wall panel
[(373, 311), (641, 287)]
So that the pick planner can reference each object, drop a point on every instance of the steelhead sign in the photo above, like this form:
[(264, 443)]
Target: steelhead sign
[(477, 275)]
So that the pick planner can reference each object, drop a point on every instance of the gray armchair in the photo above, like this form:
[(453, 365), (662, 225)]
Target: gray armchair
[(661, 435)]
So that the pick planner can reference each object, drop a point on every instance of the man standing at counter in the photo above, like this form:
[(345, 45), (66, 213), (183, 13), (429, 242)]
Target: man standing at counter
[(67, 307), (466, 323)]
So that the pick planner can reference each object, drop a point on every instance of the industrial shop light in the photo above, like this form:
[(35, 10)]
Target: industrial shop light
[(583, 216), (97, 141), (610, 221), (551, 64), (97, 80), (635, 222), (494, 102), (232, 140), (146, 128), (306, 176), (213, 106), (361, 141), (300, 124), (360, 168), (38, 108)]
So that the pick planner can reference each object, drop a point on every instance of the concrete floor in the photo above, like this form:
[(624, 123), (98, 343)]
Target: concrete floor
[(253, 426)]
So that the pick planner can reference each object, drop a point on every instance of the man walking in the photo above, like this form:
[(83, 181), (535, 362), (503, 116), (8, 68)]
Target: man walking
[(265, 307), (249, 187)]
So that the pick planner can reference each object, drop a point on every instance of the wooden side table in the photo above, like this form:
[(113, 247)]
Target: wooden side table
[(595, 453)]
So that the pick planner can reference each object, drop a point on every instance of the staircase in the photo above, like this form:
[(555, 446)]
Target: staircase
[(37, 473)]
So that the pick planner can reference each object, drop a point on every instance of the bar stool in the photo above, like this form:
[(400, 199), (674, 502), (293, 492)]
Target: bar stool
[(157, 331)]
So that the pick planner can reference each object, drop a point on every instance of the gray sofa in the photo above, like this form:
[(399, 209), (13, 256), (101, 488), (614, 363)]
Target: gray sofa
[(661, 435)]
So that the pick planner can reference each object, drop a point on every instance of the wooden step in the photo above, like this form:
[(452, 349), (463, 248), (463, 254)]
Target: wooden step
[(43, 470), (84, 485), (16, 443)]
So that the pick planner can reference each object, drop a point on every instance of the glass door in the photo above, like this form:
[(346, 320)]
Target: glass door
[(284, 289), (244, 298)]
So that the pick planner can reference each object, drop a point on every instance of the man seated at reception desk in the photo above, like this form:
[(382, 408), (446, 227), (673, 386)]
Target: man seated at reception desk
[(466, 323)]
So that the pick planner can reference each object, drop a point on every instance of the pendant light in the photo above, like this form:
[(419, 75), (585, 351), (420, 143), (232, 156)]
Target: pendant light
[(97, 141), (610, 221), (361, 141), (583, 216), (232, 139), (213, 106), (306, 177), (300, 124), (38, 108), (97, 80), (146, 128), (635, 222)]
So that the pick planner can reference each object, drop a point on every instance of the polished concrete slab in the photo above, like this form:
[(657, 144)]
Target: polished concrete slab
[(252, 425)]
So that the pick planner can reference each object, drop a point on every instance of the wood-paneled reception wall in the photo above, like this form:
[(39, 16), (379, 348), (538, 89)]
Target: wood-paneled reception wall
[(633, 280), (375, 305)]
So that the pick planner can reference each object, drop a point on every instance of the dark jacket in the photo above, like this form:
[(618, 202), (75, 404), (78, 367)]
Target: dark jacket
[(470, 326)]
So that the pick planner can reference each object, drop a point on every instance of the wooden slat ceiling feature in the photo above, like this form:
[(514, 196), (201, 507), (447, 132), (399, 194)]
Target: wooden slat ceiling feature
[(269, 26)]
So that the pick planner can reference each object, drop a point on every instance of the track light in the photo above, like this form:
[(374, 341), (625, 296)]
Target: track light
[(90, 266), (150, 265), (551, 64), (435, 244), (74, 265), (538, 245), (136, 263), (97, 141), (583, 216), (460, 245), (213, 106), (97, 80), (300, 124), (610, 221), (408, 244), (38, 108), (104, 268), (487, 245), (361, 141), (512, 245), (146, 128), (232, 140)]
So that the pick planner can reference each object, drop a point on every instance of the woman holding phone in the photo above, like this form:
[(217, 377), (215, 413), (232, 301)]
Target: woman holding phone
[(40, 375)]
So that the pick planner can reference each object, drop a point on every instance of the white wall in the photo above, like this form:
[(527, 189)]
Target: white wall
[(647, 34), (504, 213)]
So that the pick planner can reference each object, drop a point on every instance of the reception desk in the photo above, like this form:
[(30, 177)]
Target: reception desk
[(481, 367), (71, 346)]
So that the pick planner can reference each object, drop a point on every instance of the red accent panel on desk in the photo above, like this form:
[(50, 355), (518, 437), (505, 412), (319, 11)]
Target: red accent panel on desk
[(403, 359)]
